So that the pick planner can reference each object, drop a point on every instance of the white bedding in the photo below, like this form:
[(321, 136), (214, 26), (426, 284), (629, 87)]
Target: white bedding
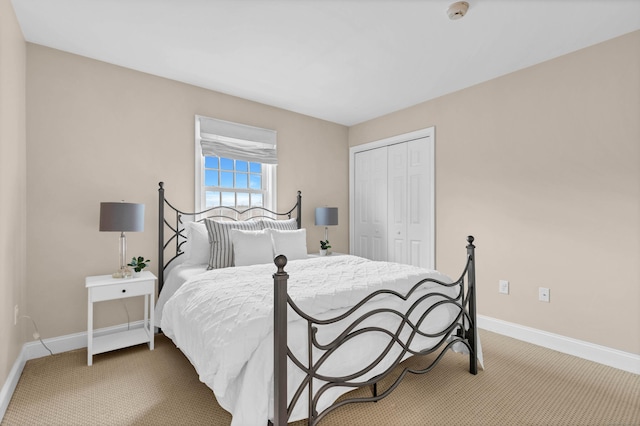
[(222, 320), (177, 276)]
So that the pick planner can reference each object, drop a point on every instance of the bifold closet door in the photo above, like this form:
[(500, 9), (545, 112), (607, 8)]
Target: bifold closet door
[(409, 199), (370, 215), (393, 203), (397, 250)]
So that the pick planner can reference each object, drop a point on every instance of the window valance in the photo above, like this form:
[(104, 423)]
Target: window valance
[(238, 141)]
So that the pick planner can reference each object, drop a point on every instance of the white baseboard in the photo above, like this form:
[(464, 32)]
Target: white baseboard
[(71, 342), (33, 350), (12, 381), (601, 354)]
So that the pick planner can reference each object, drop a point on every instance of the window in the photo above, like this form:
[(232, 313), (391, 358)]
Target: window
[(234, 183), (235, 165)]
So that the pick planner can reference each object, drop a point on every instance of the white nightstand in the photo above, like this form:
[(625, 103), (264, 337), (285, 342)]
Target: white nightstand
[(333, 253), (105, 287)]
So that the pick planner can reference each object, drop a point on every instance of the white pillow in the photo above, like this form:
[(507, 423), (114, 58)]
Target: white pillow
[(251, 247), (292, 244), (197, 248)]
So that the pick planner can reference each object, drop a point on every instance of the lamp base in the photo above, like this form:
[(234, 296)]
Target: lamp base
[(122, 273), (125, 271)]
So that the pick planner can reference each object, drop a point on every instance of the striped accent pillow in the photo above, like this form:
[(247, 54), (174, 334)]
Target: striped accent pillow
[(221, 253), (280, 225)]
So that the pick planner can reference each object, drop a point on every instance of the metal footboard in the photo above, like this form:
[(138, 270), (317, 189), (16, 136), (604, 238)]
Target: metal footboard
[(461, 330)]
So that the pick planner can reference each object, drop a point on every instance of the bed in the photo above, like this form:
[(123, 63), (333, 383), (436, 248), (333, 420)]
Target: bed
[(279, 340)]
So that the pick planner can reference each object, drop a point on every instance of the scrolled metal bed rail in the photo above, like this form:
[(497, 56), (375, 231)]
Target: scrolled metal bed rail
[(462, 330)]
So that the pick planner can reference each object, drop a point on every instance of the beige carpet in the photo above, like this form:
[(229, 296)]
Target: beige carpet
[(523, 385)]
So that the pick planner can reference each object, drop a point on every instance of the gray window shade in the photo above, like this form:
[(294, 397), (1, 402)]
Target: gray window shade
[(238, 141)]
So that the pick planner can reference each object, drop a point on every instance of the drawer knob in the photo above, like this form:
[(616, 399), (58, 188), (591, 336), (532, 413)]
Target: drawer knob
[(124, 290)]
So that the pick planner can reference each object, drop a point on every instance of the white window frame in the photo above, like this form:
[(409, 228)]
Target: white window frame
[(269, 198)]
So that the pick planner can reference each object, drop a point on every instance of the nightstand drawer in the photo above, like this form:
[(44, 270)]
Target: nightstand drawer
[(120, 291)]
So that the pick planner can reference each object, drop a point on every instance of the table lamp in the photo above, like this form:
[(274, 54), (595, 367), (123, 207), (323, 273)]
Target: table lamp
[(122, 217), (326, 216)]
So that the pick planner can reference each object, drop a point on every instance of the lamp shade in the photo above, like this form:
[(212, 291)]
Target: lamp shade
[(326, 216), (122, 217)]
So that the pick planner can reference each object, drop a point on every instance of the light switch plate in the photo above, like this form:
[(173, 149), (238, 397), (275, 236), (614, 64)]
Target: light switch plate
[(503, 287), (543, 294)]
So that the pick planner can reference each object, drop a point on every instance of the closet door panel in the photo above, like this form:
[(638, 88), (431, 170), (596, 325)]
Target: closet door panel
[(371, 204), (415, 251), (420, 203), (397, 206)]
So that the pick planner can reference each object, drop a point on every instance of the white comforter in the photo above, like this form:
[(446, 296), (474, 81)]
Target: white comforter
[(222, 320), (173, 281)]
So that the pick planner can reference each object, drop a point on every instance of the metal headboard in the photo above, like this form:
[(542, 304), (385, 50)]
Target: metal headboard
[(176, 237)]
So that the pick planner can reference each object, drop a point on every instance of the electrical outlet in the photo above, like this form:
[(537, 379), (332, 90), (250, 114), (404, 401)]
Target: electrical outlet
[(503, 287), (543, 294), (15, 315)]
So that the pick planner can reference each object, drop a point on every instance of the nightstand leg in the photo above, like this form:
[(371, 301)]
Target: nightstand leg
[(151, 323), (146, 312), (90, 331)]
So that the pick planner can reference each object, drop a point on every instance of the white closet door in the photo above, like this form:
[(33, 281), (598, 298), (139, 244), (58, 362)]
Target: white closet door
[(370, 207), (420, 203), (410, 203), (392, 199), (397, 203)]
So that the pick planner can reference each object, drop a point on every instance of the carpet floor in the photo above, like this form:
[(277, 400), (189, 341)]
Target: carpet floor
[(523, 384)]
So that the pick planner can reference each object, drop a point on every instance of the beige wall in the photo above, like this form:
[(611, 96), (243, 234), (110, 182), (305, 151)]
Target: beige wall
[(13, 174), (543, 167), (98, 132)]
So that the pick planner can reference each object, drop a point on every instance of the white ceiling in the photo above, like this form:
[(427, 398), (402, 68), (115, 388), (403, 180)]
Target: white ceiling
[(346, 61)]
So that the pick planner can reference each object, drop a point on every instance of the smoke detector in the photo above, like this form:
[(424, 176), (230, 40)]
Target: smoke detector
[(457, 10)]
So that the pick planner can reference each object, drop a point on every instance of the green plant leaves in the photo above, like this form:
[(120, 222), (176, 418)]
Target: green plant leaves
[(138, 263)]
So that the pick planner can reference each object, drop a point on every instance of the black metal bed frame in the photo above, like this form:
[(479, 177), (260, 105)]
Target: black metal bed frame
[(177, 238), (461, 330)]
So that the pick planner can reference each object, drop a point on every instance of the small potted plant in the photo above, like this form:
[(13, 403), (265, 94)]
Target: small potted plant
[(324, 247), (138, 264)]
